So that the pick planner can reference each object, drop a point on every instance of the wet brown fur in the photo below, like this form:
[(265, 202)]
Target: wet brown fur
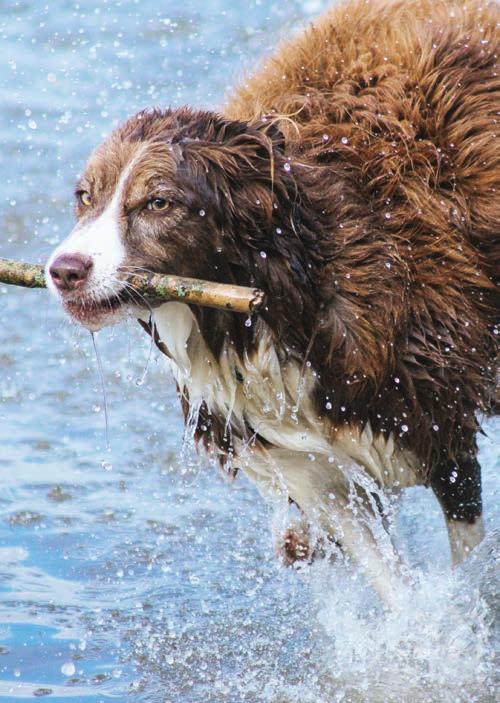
[(355, 179), (412, 89)]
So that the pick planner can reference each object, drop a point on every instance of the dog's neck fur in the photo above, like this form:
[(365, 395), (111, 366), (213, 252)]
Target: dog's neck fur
[(263, 400)]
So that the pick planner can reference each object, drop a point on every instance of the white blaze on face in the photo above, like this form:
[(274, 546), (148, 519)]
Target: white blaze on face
[(101, 241)]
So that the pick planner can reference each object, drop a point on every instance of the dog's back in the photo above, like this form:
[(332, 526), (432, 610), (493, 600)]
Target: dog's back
[(405, 92)]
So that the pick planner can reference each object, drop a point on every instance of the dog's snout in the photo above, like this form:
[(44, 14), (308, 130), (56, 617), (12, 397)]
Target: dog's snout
[(70, 271)]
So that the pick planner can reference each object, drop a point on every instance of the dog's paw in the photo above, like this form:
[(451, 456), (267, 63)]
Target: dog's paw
[(301, 545), (294, 546)]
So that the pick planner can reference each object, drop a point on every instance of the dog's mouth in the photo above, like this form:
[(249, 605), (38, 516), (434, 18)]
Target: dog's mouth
[(95, 313)]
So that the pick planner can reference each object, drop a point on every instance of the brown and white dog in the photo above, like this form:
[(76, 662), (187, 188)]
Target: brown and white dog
[(354, 179)]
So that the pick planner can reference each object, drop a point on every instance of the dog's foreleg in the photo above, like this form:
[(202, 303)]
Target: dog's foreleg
[(457, 485), (463, 537), (322, 493)]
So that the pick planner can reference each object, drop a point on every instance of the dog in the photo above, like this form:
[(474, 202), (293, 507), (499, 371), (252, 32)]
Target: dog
[(354, 178)]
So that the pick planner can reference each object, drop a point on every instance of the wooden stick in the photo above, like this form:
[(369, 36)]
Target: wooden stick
[(154, 287), (19, 274)]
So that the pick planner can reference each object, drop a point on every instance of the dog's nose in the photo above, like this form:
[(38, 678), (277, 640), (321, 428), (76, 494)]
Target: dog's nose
[(70, 271)]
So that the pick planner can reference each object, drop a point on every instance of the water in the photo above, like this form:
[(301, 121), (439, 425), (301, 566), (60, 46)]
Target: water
[(138, 573)]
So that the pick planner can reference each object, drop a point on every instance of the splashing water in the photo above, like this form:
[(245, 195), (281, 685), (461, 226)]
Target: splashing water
[(169, 575), (439, 646)]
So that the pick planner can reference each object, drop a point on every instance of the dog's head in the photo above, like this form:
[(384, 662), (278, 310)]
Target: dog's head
[(161, 194)]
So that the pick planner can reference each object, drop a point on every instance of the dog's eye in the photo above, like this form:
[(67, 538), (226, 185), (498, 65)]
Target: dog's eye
[(84, 197), (158, 204)]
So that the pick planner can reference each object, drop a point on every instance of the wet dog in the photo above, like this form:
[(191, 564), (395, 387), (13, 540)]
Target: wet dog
[(354, 178)]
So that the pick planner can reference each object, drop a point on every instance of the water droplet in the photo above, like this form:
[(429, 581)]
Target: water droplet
[(248, 322), (106, 465), (328, 405), (32, 124), (344, 140), (263, 254), (387, 264), (387, 215), (202, 213), (325, 137), (435, 427), (287, 167), (278, 230), (68, 669), (404, 428), (17, 673)]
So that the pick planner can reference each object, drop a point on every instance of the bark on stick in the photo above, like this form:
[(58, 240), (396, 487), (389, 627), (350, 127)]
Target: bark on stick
[(154, 287)]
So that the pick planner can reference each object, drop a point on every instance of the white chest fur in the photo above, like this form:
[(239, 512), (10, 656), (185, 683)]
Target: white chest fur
[(326, 472), (333, 475), (273, 397)]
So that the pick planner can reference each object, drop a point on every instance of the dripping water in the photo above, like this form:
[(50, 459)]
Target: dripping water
[(103, 389)]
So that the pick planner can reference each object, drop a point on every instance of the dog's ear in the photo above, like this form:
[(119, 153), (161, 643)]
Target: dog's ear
[(269, 125), (215, 129), (236, 148), (209, 127), (263, 135)]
